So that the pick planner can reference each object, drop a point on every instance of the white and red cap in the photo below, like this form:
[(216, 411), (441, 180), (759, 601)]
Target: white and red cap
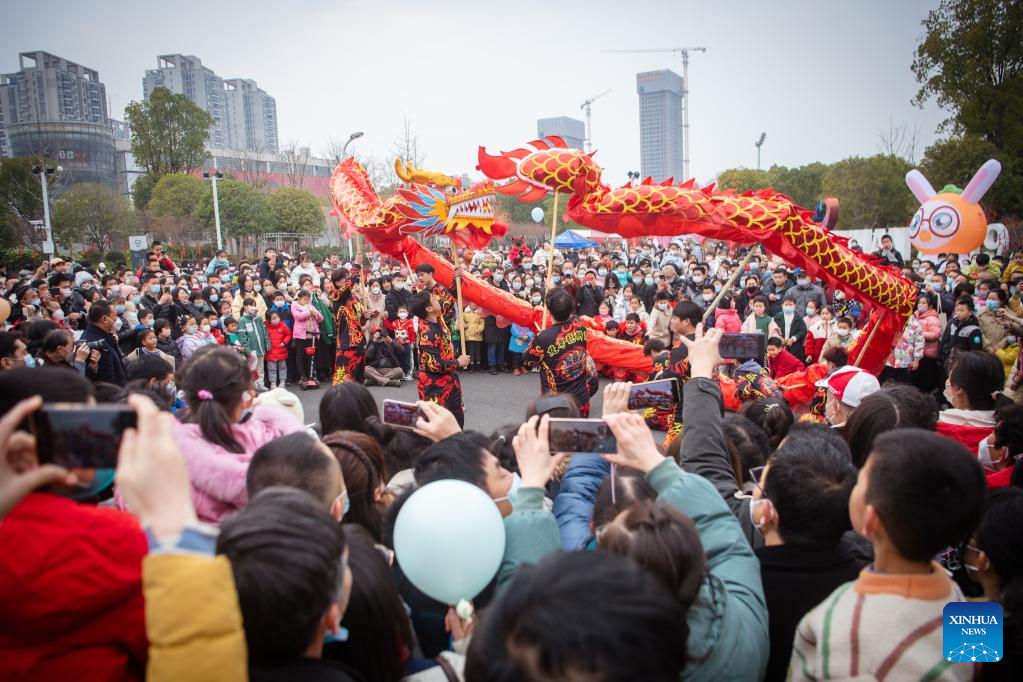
[(850, 384)]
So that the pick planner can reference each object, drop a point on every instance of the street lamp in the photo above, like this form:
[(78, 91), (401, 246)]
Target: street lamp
[(344, 150), (43, 172), (760, 143), (214, 176)]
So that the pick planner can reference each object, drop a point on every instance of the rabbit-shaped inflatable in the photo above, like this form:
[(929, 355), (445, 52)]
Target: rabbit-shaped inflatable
[(952, 221)]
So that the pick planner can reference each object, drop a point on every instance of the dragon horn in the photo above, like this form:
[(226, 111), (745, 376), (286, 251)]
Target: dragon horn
[(403, 170)]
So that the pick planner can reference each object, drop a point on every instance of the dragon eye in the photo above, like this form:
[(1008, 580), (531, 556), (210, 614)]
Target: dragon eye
[(944, 222), (452, 190), (914, 227)]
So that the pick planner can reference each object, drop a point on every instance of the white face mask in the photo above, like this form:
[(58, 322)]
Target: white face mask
[(753, 504), (375, 291), (205, 328), (662, 306), (402, 315), (118, 324)]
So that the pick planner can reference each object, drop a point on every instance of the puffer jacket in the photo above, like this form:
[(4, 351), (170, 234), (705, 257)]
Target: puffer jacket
[(931, 323), (217, 475), (727, 320), (193, 619), (728, 636), (71, 592)]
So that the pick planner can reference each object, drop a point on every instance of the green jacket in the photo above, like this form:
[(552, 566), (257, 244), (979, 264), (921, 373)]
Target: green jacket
[(327, 325), (252, 334), (728, 637)]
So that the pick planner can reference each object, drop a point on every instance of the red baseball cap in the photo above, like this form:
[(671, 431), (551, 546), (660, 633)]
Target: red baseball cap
[(850, 385)]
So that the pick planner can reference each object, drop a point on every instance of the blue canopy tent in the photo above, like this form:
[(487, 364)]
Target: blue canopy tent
[(570, 239)]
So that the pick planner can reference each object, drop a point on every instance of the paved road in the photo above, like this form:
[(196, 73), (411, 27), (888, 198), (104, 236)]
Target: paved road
[(490, 401)]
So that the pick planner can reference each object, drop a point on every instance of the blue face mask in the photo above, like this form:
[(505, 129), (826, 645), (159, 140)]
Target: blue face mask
[(136, 299), (30, 361), (513, 491), (937, 286), (172, 288), (557, 278), (991, 305), (119, 309), (341, 636), (810, 312), (155, 289), (214, 298)]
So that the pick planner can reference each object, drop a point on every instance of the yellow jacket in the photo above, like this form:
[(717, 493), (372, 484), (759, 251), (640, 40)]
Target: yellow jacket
[(193, 619), (473, 325)]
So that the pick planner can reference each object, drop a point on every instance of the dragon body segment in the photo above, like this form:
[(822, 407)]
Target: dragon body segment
[(765, 217)]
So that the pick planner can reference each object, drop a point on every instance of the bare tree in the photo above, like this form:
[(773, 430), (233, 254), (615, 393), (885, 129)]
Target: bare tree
[(406, 144), (255, 169), (296, 163), (332, 151), (901, 140)]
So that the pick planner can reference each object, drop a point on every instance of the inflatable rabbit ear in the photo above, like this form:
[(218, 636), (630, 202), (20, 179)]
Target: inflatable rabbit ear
[(918, 184), (982, 181)]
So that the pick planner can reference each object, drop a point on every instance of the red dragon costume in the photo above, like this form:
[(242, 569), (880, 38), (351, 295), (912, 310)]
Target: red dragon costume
[(434, 204)]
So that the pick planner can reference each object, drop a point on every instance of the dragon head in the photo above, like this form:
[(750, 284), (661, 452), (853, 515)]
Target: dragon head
[(549, 167), (436, 204)]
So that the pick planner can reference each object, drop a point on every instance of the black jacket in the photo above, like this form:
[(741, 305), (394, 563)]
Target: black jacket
[(302, 670), (381, 354), (587, 299), (961, 336), (393, 300), (797, 579), (797, 329), (111, 364)]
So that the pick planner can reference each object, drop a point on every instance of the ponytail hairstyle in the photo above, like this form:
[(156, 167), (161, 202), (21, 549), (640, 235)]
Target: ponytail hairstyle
[(662, 540), (362, 464), (215, 380)]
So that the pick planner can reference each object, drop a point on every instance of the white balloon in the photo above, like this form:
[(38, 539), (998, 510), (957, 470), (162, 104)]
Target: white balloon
[(537, 214), (449, 540)]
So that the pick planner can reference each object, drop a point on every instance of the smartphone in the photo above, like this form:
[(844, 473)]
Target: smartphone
[(661, 394), (404, 415), (742, 346), (82, 438), (581, 435)]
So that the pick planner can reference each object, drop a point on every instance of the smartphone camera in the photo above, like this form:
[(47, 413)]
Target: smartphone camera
[(401, 414), (581, 436)]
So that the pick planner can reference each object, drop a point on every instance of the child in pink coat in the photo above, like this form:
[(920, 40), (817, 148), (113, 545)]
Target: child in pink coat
[(306, 329)]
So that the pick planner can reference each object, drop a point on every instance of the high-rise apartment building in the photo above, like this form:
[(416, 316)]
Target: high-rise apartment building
[(251, 116), (57, 109), (572, 130), (49, 88), (244, 117), (660, 124)]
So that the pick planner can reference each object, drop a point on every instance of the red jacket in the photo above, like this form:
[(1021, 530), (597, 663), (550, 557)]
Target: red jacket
[(727, 320), (71, 592), (784, 364), (405, 326), (279, 338)]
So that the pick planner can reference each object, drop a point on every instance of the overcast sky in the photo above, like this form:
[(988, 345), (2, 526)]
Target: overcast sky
[(820, 78)]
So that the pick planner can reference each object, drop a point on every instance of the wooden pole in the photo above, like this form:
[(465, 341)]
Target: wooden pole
[(458, 292), (550, 259), (870, 337), (731, 280)]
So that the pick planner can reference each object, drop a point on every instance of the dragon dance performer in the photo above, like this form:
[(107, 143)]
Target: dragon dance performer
[(684, 319), (350, 360), (560, 352), (426, 282), (438, 366)]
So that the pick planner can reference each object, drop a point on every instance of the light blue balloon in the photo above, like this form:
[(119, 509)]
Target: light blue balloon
[(449, 540), (537, 214)]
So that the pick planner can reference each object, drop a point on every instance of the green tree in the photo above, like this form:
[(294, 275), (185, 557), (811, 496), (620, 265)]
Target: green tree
[(168, 132), (296, 210), (176, 195), (94, 214), (510, 210), (21, 198), (244, 210), (743, 179), (802, 184), (955, 160), (971, 62), (142, 189), (872, 191)]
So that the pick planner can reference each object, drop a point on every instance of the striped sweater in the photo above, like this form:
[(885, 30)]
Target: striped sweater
[(879, 627)]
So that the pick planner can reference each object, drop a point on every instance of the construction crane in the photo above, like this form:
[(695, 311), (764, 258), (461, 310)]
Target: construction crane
[(585, 106), (684, 51)]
